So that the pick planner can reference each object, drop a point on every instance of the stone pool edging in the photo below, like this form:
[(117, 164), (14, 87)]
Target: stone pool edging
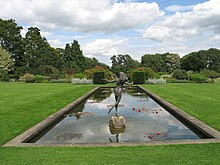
[(22, 139), (184, 117)]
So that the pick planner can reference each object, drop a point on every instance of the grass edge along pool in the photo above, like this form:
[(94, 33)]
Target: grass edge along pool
[(207, 133)]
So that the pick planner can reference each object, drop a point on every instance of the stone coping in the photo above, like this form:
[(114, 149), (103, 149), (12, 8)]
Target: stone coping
[(195, 124)]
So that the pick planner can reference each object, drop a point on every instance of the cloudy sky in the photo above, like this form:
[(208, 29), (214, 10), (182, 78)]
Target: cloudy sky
[(110, 27)]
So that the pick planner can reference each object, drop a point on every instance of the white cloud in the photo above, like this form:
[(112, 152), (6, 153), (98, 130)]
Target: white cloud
[(56, 43), (103, 49), (175, 8), (181, 26), (215, 37), (80, 15)]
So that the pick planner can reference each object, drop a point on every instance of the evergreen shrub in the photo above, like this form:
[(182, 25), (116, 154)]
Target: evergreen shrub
[(39, 78), (20, 71), (198, 78), (98, 78), (138, 77), (210, 73), (180, 74)]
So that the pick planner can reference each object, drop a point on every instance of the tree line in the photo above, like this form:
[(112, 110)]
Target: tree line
[(33, 54)]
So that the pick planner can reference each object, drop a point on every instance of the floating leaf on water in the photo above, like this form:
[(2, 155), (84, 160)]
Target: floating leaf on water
[(69, 136)]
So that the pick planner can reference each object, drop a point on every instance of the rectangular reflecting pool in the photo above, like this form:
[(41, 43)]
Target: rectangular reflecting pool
[(146, 121)]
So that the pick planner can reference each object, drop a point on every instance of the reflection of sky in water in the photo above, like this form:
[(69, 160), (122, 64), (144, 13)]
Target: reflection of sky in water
[(145, 121)]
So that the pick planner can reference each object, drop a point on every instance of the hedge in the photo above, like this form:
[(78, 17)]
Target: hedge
[(138, 77), (98, 78)]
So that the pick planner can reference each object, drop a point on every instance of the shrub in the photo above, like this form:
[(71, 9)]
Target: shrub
[(39, 78), (210, 73), (156, 81), (98, 78), (20, 71), (138, 77), (180, 74), (28, 78), (198, 78), (209, 80), (68, 73), (80, 81), (149, 73), (47, 70), (90, 72), (79, 75), (4, 75)]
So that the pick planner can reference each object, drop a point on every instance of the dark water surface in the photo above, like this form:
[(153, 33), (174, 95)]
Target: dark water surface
[(145, 121)]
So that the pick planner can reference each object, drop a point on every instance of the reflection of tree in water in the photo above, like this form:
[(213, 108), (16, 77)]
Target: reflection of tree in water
[(101, 94), (77, 110), (69, 136), (132, 90)]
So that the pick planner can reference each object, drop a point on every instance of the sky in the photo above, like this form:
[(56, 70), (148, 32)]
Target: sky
[(105, 28)]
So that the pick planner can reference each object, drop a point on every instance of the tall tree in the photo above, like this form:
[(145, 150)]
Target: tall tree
[(155, 62), (213, 59), (11, 40), (73, 57), (172, 61), (38, 52), (123, 63), (203, 59)]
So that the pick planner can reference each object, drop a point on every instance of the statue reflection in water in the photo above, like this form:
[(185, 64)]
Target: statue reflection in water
[(117, 122)]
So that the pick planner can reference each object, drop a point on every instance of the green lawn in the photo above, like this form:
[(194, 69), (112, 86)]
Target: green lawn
[(24, 105)]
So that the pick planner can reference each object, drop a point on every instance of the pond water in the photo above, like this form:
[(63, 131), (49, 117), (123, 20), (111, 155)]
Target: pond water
[(145, 119)]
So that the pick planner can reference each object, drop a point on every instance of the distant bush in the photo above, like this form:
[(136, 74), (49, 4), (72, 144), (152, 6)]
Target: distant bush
[(198, 78), (148, 72), (4, 75), (77, 81), (138, 77), (79, 75), (39, 79), (47, 70), (210, 73), (209, 80), (90, 72), (98, 78), (20, 71), (156, 81), (28, 78), (68, 73), (180, 74)]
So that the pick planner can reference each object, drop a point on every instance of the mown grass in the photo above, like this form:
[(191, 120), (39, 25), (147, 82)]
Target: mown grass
[(24, 105), (163, 155)]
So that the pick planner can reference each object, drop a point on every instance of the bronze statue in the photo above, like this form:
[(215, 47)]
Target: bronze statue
[(119, 89)]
